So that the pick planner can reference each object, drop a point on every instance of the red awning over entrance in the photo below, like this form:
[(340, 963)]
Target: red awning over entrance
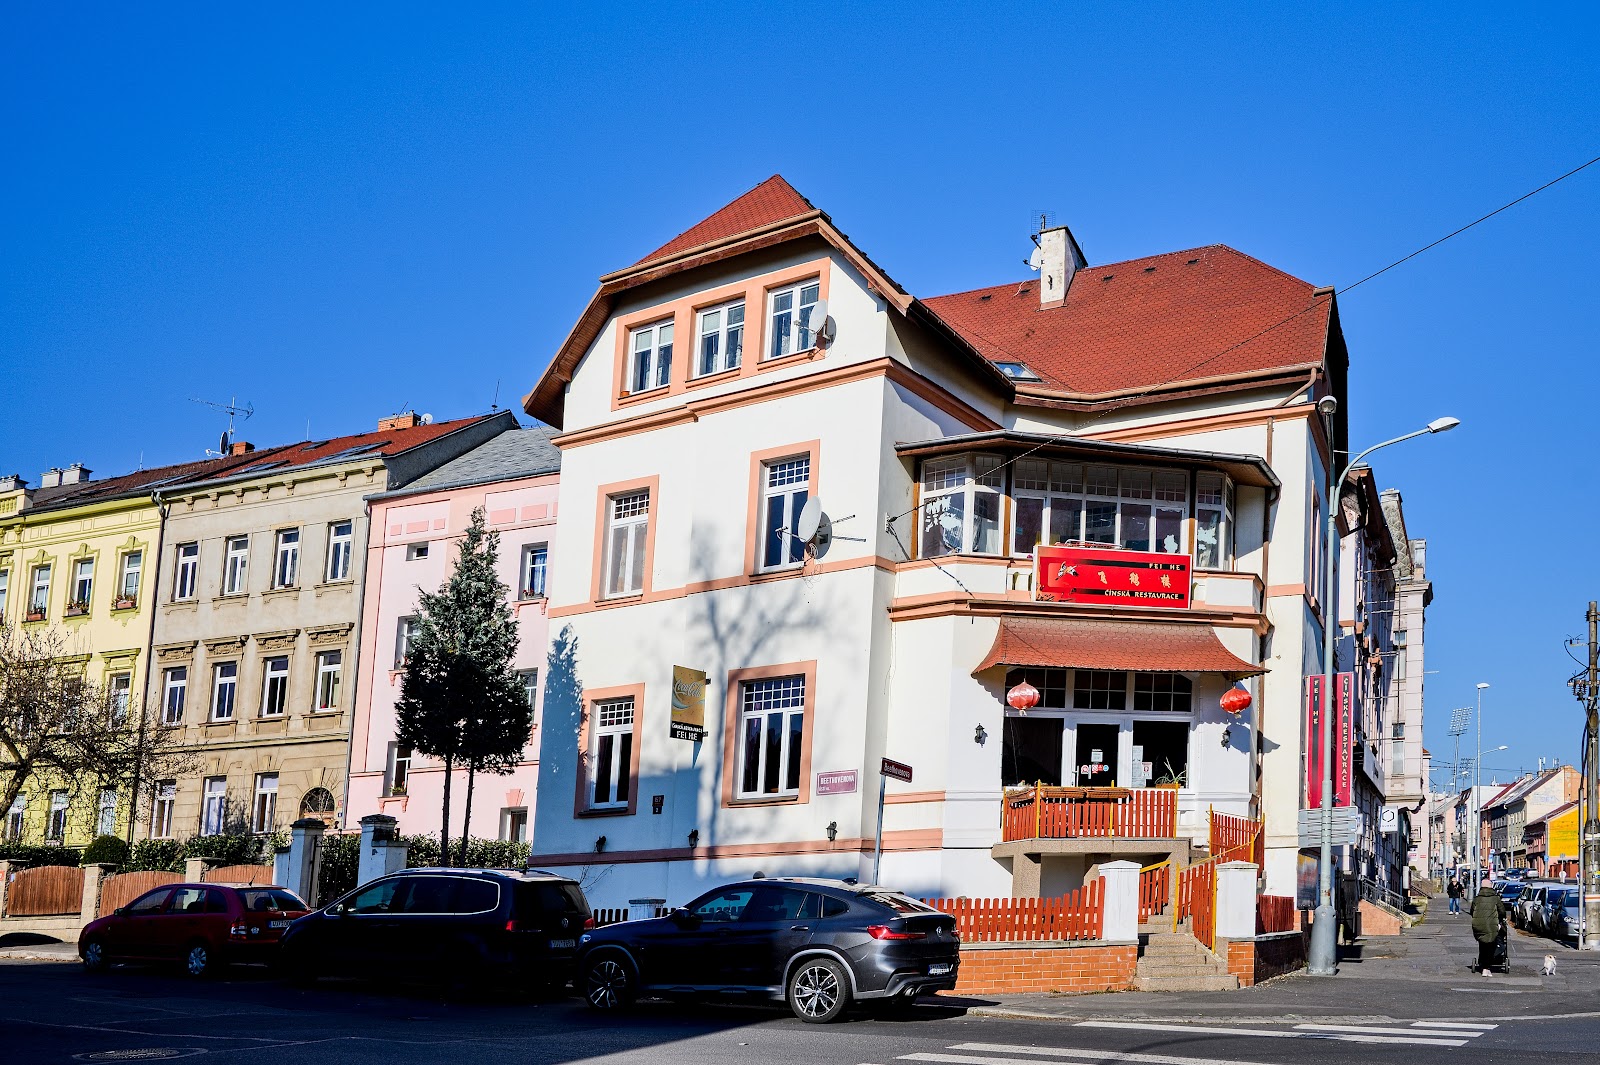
[(1137, 646)]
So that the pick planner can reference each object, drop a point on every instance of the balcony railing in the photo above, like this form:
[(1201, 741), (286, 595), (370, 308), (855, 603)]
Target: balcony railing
[(1090, 813)]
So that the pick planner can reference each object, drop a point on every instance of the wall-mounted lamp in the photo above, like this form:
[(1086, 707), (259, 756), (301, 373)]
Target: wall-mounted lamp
[(694, 838), (1227, 734), (980, 735), (599, 844), (833, 826)]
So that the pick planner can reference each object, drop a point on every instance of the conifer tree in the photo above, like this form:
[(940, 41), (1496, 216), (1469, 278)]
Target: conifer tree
[(460, 700)]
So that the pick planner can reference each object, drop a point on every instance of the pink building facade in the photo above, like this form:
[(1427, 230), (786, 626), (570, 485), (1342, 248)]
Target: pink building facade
[(412, 547)]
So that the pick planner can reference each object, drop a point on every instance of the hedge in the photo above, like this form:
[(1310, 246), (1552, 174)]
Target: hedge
[(34, 854), (106, 850)]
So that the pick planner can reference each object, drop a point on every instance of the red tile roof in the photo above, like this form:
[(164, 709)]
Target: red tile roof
[(1150, 322), (1142, 646), (771, 201), (378, 442)]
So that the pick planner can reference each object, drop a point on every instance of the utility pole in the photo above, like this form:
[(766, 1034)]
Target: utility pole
[(1591, 757)]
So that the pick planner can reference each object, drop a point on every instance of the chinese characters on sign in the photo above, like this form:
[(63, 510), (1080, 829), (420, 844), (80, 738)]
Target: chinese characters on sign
[(688, 704), (1101, 575)]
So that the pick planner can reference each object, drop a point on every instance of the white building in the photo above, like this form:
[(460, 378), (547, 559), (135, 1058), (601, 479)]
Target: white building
[(1163, 404)]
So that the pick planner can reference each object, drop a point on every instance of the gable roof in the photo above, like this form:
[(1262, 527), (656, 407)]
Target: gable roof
[(509, 456), (774, 200), (137, 483), (1179, 317)]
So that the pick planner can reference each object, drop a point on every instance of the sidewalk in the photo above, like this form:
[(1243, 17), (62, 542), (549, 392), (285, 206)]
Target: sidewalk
[(39, 952), (1422, 974)]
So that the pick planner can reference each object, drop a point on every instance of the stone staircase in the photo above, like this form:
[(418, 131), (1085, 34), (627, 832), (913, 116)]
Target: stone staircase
[(1176, 961)]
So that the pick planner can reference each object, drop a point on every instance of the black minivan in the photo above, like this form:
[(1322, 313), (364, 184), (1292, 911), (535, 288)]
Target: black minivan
[(455, 926)]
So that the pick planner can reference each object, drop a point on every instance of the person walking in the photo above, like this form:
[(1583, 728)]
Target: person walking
[(1488, 924), (1453, 889)]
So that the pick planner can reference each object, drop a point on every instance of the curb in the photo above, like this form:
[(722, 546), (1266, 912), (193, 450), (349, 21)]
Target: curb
[(36, 955)]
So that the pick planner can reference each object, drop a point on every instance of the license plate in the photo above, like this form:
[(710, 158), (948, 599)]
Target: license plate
[(279, 924), (941, 969), (563, 944)]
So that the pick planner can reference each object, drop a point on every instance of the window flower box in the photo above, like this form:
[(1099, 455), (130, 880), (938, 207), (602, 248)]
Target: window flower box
[(77, 608), (124, 602), (33, 615)]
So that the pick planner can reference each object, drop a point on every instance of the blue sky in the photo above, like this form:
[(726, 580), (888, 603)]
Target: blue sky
[(335, 212)]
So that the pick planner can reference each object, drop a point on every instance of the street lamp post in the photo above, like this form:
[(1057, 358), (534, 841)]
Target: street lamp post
[(1477, 801), (1324, 933)]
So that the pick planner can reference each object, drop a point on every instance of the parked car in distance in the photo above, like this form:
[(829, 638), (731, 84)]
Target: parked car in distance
[(1509, 890), (454, 926), (1528, 911), (819, 944), (200, 926), (1561, 911)]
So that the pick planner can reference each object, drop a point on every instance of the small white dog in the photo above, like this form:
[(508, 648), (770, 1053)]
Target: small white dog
[(1549, 965)]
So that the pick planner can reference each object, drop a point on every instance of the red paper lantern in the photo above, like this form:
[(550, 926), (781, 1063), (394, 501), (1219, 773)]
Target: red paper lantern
[(1236, 701), (1023, 697)]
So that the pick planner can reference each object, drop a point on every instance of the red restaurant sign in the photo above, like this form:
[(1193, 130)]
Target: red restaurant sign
[(1107, 575), (1344, 767), (1316, 740)]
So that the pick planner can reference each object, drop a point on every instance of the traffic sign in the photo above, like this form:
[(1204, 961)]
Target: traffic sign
[(1346, 826), (899, 770)]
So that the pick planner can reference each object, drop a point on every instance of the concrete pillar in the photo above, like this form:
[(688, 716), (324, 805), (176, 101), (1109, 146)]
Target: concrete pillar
[(381, 854), (194, 869), (1121, 922), (89, 907), (1027, 876), (1236, 900), (305, 858), (643, 909), (280, 866)]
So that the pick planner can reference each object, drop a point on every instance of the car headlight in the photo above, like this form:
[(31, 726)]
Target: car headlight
[(584, 939)]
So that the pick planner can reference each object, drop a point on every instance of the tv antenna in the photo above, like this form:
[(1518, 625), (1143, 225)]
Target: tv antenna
[(232, 410)]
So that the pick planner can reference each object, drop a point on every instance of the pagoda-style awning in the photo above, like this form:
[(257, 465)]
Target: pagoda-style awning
[(1136, 646)]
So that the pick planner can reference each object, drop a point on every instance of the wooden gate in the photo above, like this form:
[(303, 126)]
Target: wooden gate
[(240, 874), (123, 888), (45, 891)]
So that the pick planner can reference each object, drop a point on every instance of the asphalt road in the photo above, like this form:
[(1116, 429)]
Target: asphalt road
[(54, 1012)]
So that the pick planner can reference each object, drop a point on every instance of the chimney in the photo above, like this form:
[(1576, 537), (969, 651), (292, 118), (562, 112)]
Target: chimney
[(241, 447), (75, 474), (408, 420), (50, 478), (12, 482), (1061, 259)]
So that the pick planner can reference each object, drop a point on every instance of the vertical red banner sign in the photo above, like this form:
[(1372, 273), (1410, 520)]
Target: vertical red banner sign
[(1344, 768), (1316, 743)]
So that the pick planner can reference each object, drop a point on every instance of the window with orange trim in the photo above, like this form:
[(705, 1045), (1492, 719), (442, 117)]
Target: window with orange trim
[(627, 536), (650, 365)]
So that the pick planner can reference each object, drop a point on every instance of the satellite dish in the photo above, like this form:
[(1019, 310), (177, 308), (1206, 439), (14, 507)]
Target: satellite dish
[(1036, 260), (814, 529), (818, 321), (427, 419), (224, 442)]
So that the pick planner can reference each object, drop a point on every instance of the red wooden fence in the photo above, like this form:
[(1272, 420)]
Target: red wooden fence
[(1090, 813), (1155, 889), (1079, 915), (123, 888), (1276, 913), (239, 874), (1235, 839), (45, 891), (1197, 901)]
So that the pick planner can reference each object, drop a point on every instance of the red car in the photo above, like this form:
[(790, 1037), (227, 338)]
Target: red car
[(201, 926)]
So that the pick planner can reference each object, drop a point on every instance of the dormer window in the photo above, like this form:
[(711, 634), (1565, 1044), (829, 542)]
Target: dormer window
[(721, 338), (652, 357), (1016, 371)]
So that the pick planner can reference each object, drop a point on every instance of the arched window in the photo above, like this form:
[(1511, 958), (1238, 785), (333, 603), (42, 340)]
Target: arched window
[(318, 802)]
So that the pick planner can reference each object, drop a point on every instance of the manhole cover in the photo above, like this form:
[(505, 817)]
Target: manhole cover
[(141, 1054)]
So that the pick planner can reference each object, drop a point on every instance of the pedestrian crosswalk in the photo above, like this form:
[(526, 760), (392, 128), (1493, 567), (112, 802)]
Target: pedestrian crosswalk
[(1413, 1033)]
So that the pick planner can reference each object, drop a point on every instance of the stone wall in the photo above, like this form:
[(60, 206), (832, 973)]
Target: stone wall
[(1379, 920), (1015, 968)]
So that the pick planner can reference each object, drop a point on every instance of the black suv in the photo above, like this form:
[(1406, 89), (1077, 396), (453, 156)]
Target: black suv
[(458, 926), (820, 944)]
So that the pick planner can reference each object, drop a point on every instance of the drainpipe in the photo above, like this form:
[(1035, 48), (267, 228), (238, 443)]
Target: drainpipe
[(150, 653), (356, 664)]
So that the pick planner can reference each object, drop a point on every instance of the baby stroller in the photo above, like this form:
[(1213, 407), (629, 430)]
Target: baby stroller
[(1501, 958)]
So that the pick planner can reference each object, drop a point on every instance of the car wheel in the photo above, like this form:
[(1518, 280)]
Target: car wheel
[(607, 983), (198, 960), (94, 956), (819, 990)]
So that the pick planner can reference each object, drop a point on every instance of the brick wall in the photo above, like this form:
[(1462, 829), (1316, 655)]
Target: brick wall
[(1266, 956), (1014, 968), (1378, 920)]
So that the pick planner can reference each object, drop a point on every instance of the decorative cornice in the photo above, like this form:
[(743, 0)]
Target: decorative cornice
[(225, 646), (280, 640), (324, 635), (176, 652)]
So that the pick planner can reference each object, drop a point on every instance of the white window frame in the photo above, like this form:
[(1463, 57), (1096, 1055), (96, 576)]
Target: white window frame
[(286, 558), (330, 675), (55, 826), (214, 806), (17, 817), (185, 571), (119, 691), (1217, 502), (217, 711), (162, 805), (131, 569), (5, 590), (236, 565), (650, 356), (719, 339), (627, 543), (82, 582), (612, 733), (105, 822), (764, 705), (530, 687), (785, 487), (39, 589), (535, 571), (789, 325), (341, 548), (174, 694), (274, 685), (417, 551), (406, 629), (952, 488), (264, 808), (399, 768)]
